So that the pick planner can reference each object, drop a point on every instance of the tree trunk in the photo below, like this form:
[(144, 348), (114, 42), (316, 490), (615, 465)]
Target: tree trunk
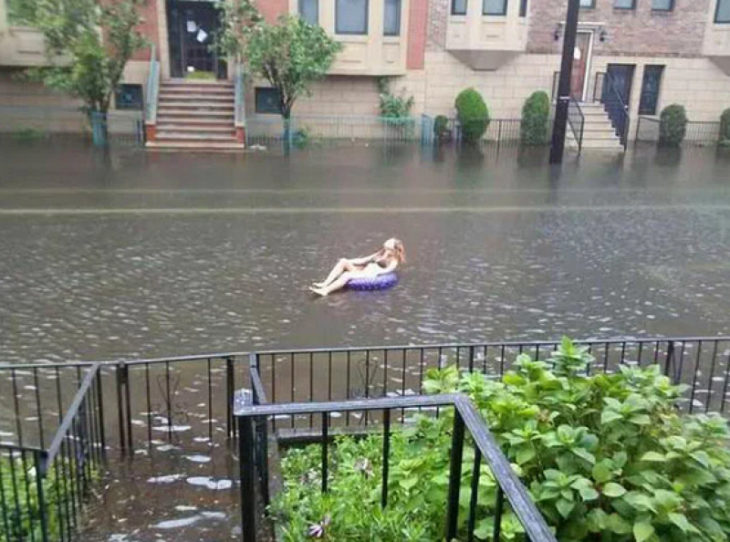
[(99, 128)]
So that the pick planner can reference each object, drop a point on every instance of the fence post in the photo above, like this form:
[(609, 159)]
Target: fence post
[(121, 382), (457, 448), (248, 488), (230, 391), (669, 362), (40, 473), (100, 399)]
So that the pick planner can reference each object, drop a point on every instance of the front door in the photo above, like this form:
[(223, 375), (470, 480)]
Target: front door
[(581, 57), (191, 29), (623, 78)]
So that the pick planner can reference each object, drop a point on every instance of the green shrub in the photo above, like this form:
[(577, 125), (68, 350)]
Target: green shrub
[(473, 115), (441, 128), (605, 457), (725, 127), (391, 105), (672, 125), (535, 117)]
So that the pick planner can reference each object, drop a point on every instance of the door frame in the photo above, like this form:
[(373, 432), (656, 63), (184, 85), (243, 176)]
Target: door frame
[(216, 58), (589, 60)]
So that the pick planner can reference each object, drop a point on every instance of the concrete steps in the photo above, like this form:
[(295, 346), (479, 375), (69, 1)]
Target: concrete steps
[(598, 132), (195, 115)]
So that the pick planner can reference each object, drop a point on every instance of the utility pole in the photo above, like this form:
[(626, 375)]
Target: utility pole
[(566, 71)]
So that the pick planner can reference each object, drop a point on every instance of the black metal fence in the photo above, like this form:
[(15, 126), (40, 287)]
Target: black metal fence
[(253, 442), (698, 133), (145, 401), (703, 364), (43, 490)]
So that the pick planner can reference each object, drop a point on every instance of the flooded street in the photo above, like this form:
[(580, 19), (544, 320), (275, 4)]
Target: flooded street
[(144, 255), (139, 255)]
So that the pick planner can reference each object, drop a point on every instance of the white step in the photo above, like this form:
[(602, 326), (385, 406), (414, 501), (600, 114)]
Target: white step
[(194, 105), (194, 146), (172, 96), (178, 112), (195, 126), (202, 136)]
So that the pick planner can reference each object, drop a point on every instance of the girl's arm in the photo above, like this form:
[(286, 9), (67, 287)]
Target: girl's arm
[(363, 261)]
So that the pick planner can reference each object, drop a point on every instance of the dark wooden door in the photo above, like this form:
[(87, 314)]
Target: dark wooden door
[(622, 76), (191, 31)]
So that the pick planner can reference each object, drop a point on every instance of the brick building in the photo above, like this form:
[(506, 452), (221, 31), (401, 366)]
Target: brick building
[(656, 52)]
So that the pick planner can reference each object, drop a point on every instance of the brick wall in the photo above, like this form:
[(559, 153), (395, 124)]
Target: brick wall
[(148, 28), (438, 11), (272, 9), (417, 28), (640, 31)]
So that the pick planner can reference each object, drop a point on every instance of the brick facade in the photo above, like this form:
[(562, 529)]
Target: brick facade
[(417, 28), (438, 12), (637, 32), (148, 28), (272, 9)]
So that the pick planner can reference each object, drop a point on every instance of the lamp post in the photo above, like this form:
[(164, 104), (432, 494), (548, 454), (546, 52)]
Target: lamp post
[(566, 71)]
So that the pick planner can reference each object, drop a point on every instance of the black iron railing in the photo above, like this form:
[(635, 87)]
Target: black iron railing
[(43, 491), (606, 91), (467, 421), (697, 132), (702, 363), (577, 122)]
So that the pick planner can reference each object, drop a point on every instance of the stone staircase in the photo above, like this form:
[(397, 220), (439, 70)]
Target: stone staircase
[(195, 115), (598, 132)]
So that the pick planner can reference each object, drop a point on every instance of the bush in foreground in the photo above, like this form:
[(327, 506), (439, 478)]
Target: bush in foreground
[(605, 457), (473, 115), (535, 116)]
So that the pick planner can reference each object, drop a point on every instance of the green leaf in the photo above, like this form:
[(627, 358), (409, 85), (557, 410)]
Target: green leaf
[(588, 493), (614, 490), (642, 531), (608, 416), (640, 419), (584, 454), (525, 455), (653, 457), (680, 520), (602, 471), (565, 507), (618, 525)]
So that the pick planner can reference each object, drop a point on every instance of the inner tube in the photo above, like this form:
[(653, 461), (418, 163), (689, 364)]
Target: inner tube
[(381, 282)]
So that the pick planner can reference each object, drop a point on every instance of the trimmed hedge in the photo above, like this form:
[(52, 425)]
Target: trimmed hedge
[(473, 115), (535, 116), (672, 125), (725, 127)]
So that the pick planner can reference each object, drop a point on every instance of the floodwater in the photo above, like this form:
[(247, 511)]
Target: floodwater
[(128, 254)]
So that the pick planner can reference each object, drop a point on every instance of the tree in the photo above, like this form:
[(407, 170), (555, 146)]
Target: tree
[(290, 55), (473, 115), (535, 116), (89, 42)]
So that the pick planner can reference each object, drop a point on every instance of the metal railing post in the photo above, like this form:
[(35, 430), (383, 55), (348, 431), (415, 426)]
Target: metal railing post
[(669, 360), (248, 488), (230, 391), (39, 475), (457, 449), (121, 376)]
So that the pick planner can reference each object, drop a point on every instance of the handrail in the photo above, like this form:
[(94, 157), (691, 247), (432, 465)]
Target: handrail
[(240, 106), (68, 418), (573, 105), (618, 111), (536, 528), (153, 84)]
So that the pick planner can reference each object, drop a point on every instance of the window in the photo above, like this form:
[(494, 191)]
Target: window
[(351, 17), (309, 11), (662, 5), (129, 97), (458, 7), (267, 100), (650, 87), (391, 23), (624, 4), (722, 15), (494, 7), (523, 8), (589, 4)]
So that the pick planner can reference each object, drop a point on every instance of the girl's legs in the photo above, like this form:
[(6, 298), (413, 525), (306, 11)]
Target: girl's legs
[(340, 267), (337, 284)]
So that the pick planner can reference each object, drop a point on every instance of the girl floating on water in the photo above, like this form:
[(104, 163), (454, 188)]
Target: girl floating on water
[(386, 260)]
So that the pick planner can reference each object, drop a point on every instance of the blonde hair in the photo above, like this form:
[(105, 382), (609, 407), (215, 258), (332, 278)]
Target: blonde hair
[(400, 250)]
